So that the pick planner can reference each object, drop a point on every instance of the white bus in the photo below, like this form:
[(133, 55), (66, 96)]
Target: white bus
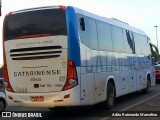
[(64, 56)]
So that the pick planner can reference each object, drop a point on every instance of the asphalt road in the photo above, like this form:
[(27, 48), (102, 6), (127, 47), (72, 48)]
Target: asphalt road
[(135, 105)]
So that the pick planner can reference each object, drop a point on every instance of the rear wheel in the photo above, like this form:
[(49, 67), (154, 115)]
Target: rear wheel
[(110, 100), (146, 90)]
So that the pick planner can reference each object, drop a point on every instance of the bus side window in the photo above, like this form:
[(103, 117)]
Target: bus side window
[(82, 24)]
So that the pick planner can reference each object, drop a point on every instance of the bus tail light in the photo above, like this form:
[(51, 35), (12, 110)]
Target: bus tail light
[(157, 72), (72, 79)]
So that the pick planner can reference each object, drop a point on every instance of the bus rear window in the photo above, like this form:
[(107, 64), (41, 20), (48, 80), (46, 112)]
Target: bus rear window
[(46, 21)]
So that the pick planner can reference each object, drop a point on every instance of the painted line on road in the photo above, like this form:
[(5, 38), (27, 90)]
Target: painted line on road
[(129, 107), (139, 102)]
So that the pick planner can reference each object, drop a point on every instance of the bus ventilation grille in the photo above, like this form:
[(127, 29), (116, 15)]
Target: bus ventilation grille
[(34, 53)]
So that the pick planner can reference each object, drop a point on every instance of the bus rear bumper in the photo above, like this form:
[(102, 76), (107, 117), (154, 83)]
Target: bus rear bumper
[(54, 99)]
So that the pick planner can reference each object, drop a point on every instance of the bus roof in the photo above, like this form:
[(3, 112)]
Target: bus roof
[(112, 21)]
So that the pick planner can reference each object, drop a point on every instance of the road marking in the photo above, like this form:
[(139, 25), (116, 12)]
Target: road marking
[(139, 102), (129, 107)]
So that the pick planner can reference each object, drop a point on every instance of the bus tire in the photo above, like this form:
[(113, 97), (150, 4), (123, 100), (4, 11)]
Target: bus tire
[(146, 90), (110, 100)]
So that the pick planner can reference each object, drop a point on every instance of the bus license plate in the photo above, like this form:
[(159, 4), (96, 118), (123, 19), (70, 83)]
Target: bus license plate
[(37, 98)]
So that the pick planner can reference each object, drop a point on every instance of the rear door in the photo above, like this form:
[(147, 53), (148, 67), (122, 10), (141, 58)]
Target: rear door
[(36, 50)]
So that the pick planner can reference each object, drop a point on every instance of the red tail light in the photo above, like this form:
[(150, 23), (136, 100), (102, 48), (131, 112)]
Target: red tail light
[(5, 71), (72, 79), (70, 74), (157, 72)]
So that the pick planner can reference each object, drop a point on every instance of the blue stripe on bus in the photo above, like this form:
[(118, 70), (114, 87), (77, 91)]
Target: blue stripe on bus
[(73, 42)]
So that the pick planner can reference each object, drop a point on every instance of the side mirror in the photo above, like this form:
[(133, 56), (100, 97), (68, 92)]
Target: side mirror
[(82, 24)]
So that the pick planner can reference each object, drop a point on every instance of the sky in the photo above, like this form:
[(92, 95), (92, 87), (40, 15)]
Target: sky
[(142, 14)]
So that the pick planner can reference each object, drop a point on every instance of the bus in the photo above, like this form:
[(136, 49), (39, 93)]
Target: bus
[(59, 56)]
